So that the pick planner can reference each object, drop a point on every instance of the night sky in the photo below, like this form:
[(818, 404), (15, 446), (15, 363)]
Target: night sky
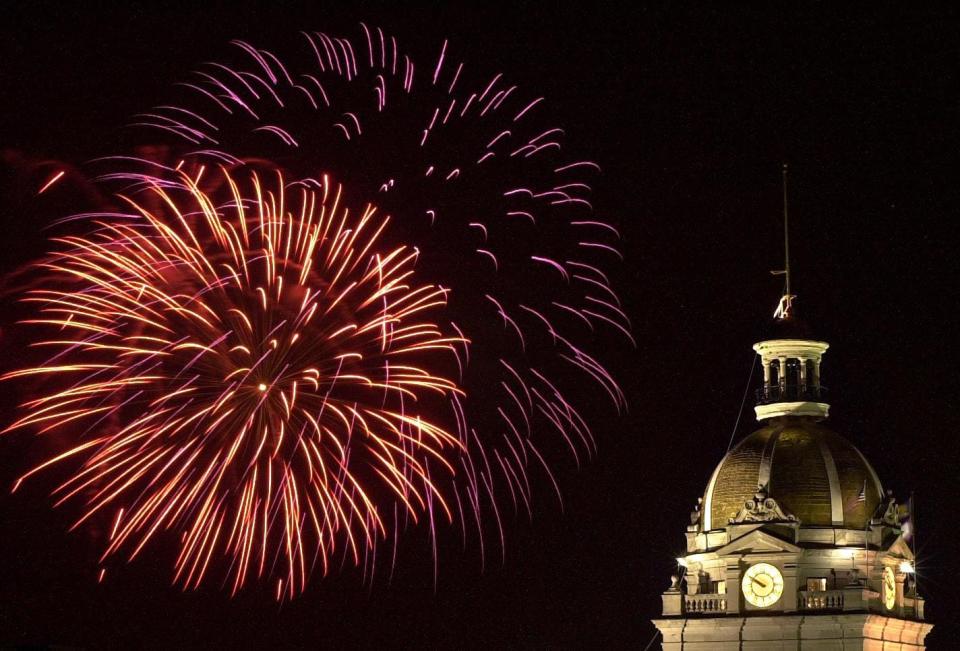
[(691, 114)]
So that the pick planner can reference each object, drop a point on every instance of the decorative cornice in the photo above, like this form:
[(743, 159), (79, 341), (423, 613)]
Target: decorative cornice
[(818, 410), (772, 349)]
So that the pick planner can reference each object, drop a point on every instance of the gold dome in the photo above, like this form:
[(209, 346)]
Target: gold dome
[(812, 472)]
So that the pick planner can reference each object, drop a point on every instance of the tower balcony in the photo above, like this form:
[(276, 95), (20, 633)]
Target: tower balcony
[(704, 604), (824, 600)]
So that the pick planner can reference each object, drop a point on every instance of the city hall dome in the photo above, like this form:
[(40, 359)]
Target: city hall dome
[(812, 473)]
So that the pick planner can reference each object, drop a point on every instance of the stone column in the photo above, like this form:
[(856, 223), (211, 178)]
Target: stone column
[(734, 596), (900, 607), (790, 587), (783, 378)]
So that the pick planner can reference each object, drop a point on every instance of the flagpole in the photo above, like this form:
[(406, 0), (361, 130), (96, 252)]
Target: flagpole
[(866, 546), (916, 548)]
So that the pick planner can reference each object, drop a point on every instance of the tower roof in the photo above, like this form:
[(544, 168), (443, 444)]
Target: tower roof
[(791, 327), (812, 472)]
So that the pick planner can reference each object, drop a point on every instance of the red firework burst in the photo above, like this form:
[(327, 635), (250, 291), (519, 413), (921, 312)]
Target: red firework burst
[(250, 375), (255, 370)]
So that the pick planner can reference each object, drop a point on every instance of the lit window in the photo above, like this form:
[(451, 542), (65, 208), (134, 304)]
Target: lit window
[(817, 584)]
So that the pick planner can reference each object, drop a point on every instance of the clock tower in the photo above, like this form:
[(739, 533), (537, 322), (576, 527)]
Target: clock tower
[(794, 543)]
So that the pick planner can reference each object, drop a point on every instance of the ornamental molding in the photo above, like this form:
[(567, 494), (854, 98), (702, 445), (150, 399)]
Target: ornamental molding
[(762, 509)]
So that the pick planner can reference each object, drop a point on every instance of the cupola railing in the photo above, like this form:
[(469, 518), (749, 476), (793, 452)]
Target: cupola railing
[(790, 393)]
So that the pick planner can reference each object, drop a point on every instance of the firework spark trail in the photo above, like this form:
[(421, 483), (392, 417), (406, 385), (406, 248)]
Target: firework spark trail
[(291, 329), (474, 156), (269, 362)]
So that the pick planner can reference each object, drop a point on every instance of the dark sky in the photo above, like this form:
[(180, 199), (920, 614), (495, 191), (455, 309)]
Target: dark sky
[(691, 114)]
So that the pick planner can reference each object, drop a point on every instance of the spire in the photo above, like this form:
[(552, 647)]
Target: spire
[(786, 301), (790, 359)]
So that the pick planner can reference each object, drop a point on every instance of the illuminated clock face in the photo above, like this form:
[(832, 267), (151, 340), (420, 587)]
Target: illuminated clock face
[(762, 585), (889, 588)]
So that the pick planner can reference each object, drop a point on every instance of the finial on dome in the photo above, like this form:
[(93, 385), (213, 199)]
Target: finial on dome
[(784, 309)]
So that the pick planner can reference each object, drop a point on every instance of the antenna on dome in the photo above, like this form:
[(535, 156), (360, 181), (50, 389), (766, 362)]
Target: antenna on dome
[(786, 301)]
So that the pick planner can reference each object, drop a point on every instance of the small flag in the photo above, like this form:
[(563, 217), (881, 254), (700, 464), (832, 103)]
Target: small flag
[(906, 518)]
